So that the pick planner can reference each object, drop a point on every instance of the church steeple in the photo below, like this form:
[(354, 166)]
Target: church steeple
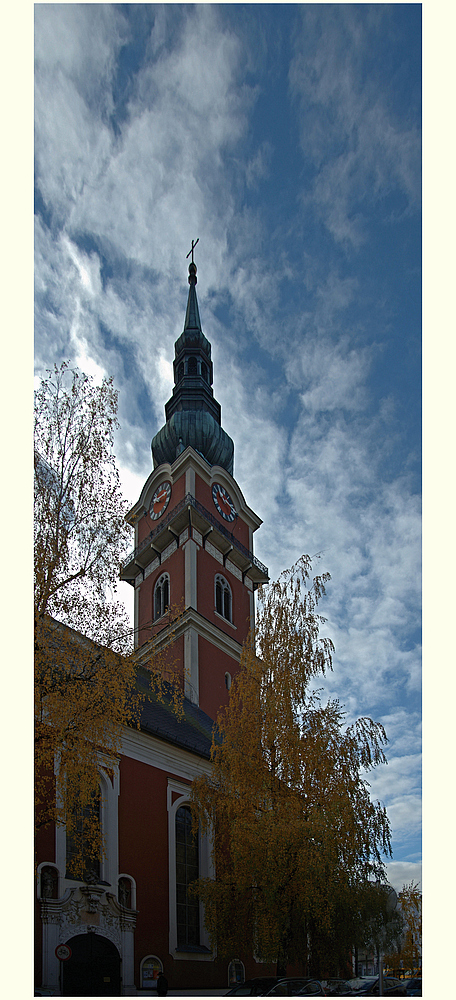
[(192, 317), (193, 416)]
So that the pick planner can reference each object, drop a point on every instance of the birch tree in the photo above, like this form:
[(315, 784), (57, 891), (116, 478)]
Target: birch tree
[(295, 833), (85, 676)]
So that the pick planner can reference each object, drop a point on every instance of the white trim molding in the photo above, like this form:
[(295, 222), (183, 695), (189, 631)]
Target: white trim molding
[(109, 865), (182, 793)]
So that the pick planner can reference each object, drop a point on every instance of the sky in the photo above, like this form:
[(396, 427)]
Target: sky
[(287, 140)]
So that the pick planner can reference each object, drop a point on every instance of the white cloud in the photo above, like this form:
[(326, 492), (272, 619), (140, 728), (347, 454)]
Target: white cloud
[(348, 130), (400, 873), (175, 167)]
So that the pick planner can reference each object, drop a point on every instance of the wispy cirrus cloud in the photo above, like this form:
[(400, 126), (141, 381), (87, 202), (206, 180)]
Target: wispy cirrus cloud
[(277, 136), (358, 146)]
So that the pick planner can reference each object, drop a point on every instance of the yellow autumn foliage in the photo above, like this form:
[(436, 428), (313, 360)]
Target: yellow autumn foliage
[(295, 830), (86, 687)]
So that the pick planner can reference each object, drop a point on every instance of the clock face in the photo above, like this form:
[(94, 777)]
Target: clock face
[(223, 502), (160, 500)]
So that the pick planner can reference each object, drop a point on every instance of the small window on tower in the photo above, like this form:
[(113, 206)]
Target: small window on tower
[(223, 603), (204, 371), (180, 371), (192, 366), (161, 596)]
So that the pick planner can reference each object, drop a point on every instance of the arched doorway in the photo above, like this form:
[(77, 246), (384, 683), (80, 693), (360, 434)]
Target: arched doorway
[(93, 969)]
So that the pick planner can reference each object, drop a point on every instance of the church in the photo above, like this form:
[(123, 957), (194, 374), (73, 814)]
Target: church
[(193, 547)]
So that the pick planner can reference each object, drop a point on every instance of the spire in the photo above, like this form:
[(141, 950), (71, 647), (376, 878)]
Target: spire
[(193, 416), (192, 316)]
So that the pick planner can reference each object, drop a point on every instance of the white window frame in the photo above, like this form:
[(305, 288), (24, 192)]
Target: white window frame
[(147, 959), (225, 587), (234, 982), (109, 864), (132, 882), (159, 584), (182, 793)]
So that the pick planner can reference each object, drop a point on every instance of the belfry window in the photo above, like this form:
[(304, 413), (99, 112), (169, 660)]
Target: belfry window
[(204, 371), (187, 870), (192, 366), (161, 596), (223, 603), (180, 371)]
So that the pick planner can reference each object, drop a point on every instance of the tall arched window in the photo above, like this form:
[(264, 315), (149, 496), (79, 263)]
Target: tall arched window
[(223, 603), (187, 870), (180, 371), (83, 840), (192, 367), (204, 371), (161, 596)]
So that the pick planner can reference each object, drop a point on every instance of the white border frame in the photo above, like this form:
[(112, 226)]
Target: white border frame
[(205, 866)]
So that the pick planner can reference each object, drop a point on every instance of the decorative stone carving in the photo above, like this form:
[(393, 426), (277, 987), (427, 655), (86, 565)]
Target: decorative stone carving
[(47, 884), (92, 896)]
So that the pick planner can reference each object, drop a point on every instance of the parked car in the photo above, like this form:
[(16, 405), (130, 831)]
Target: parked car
[(337, 987), (361, 983), (413, 987), (256, 987), (391, 988), (297, 987)]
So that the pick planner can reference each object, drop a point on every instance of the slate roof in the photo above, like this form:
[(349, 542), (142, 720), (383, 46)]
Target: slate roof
[(192, 732)]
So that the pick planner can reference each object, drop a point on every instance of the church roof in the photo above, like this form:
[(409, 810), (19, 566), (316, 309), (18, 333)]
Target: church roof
[(192, 732)]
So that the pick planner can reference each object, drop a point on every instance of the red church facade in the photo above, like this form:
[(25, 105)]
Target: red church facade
[(193, 548)]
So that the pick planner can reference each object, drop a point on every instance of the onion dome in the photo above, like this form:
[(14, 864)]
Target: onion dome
[(193, 416)]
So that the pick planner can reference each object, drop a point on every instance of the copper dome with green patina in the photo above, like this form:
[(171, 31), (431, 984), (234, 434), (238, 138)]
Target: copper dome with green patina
[(193, 416)]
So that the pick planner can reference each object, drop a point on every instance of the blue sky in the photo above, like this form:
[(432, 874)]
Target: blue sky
[(287, 138)]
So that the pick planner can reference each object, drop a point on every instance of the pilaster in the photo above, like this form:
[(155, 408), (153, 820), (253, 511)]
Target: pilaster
[(191, 669)]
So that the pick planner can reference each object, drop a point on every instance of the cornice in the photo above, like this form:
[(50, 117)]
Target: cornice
[(204, 628), (209, 474), (165, 756)]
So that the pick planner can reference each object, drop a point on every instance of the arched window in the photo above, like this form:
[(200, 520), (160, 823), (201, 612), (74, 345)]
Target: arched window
[(192, 366), (204, 371), (236, 972), (161, 596), (227, 681), (180, 371), (82, 863), (187, 870), (151, 967), (223, 603)]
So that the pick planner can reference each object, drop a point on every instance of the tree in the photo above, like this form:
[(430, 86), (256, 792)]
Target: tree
[(381, 923), (296, 836), (80, 528), (408, 955), (85, 678)]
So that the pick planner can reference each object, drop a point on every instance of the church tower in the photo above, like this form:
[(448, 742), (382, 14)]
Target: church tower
[(194, 531), (193, 548)]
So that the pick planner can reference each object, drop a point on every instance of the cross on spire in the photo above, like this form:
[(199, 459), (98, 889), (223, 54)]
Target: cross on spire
[(191, 251)]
